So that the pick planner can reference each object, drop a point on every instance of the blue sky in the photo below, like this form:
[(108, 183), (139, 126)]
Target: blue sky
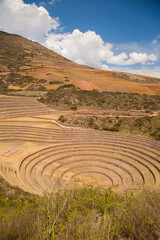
[(116, 21), (120, 35)]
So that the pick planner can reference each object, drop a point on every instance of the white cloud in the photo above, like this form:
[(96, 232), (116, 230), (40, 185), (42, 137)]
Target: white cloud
[(142, 58), (51, 2), (42, 3), (137, 58), (152, 57), (88, 48), (133, 58), (27, 20), (105, 67), (85, 48), (119, 59), (154, 42), (155, 72)]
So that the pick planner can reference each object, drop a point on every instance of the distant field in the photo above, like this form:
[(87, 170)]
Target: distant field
[(37, 153)]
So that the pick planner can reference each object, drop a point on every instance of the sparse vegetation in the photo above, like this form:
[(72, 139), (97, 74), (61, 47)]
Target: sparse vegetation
[(55, 82), (62, 119), (145, 125), (41, 81), (74, 108), (19, 80), (135, 78), (68, 95), (66, 79), (36, 87), (3, 87)]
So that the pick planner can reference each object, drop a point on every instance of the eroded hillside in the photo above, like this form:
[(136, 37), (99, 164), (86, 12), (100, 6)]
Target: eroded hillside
[(26, 65)]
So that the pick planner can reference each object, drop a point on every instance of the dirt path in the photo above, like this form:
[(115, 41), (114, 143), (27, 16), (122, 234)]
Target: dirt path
[(111, 113)]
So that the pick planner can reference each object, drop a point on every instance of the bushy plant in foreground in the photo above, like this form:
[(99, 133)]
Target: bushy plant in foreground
[(83, 213)]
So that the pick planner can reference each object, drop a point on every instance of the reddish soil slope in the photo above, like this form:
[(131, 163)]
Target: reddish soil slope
[(33, 64)]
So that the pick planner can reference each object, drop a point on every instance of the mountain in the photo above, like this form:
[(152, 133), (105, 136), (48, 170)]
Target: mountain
[(27, 65)]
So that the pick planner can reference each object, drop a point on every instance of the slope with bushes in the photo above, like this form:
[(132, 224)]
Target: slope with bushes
[(68, 96), (85, 213), (149, 126)]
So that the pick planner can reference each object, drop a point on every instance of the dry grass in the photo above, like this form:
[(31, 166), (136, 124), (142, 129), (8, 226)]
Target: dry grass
[(81, 214)]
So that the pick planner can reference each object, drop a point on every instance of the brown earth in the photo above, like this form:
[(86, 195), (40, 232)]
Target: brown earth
[(114, 113), (26, 58)]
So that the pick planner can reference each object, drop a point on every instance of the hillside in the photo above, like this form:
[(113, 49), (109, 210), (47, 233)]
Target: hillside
[(26, 65), (79, 148)]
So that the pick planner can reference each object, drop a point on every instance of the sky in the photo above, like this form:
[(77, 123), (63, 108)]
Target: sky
[(116, 35)]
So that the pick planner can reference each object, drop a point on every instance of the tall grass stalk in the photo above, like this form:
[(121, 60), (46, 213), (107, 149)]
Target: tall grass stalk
[(82, 213)]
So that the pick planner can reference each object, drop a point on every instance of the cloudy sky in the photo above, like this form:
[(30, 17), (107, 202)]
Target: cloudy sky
[(119, 35)]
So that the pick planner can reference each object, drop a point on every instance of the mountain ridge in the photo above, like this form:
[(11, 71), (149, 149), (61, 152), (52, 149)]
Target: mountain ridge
[(27, 64)]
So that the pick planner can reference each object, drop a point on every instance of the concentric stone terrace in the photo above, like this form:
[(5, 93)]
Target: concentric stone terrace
[(18, 107), (37, 154)]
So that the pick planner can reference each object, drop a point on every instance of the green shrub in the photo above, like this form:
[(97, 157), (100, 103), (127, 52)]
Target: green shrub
[(74, 108), (55, 82), (113, 129), (62, 119), (86, 212)]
